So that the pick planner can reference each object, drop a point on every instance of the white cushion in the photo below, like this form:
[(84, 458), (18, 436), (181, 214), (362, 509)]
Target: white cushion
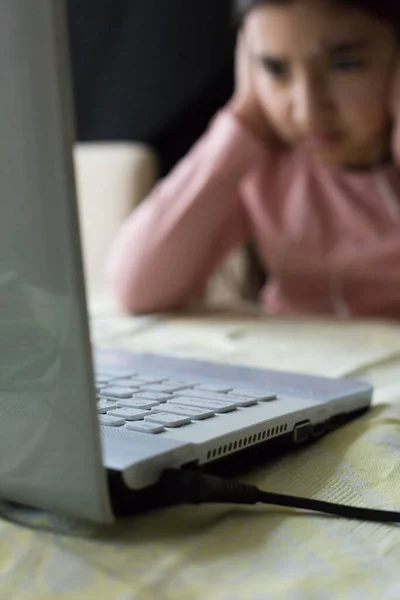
[(112, 179)]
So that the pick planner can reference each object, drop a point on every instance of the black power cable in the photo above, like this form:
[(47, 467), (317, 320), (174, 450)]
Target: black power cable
[(184, 486)]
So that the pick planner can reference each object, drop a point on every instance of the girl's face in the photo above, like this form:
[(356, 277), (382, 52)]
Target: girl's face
[(323, 74)]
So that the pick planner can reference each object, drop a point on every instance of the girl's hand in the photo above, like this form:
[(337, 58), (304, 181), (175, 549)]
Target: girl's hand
[(244, 104)]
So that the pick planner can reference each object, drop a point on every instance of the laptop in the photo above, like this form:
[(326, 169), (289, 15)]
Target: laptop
[(80, 428)]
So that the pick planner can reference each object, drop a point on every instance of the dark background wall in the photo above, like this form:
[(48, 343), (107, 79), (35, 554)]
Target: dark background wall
[(150, 70)]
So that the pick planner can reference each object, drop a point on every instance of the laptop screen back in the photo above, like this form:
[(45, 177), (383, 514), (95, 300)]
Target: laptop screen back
[(49, 441)]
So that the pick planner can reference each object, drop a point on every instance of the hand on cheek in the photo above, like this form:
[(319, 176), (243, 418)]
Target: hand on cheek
[(244, 104)]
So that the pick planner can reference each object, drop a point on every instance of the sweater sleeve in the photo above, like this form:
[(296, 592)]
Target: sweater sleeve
[(173, 242)]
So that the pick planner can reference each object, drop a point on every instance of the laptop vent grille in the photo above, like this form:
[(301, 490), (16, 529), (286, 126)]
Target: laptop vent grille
[(246, 442)]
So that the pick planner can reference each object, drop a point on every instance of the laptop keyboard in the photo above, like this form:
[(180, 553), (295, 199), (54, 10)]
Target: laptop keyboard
[(155, 403)]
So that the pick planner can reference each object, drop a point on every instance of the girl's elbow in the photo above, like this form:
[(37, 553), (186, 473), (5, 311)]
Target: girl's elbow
[(131, 296)]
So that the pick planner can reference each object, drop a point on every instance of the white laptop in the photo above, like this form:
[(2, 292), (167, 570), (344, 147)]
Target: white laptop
[(73, 439)]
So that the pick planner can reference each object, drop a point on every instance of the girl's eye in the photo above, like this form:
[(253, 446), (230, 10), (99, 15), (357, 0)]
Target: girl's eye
[(348, 65), (275, 68)]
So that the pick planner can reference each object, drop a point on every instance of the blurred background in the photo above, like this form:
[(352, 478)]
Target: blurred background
[(148, 76), (152, 71)]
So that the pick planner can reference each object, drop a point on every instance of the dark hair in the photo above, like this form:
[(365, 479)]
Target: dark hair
[(386, 10)]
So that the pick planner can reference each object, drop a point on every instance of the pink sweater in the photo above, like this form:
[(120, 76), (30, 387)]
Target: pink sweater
[(329, 238)]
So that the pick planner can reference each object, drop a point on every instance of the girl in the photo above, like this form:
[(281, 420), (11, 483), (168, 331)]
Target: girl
[(303, 162)]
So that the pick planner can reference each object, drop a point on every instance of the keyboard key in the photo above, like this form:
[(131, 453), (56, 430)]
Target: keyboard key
[(98, 388), (126, 383), (165, 388), (213, 405), (101, 380), (206, 395), (259, 395), (243, 401), (196, 393), (111, 421), (137, 404), (117, 392), (140, 381), (168, 420), (129, 414), (218, 389), (152, 396), (240, 401), (145, 427), (104, 405), (186, 383), (152, 376), (196, 414)]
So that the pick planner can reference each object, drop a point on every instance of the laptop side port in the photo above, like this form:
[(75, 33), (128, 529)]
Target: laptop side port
[(302, 432), (318, 430), (336, 422)]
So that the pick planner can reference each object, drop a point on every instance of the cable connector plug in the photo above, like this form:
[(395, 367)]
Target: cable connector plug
[(183, 486)]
